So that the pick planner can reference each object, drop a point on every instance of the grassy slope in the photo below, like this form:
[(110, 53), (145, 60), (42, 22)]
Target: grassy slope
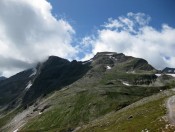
[(147, 115), (82, 107)]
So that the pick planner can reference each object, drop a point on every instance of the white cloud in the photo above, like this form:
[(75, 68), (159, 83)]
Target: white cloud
[(129, 23), (134, 36), (29, 32)]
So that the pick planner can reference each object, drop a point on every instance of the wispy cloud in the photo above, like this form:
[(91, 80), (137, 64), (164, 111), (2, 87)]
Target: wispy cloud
[(29, 33), (132, 35)]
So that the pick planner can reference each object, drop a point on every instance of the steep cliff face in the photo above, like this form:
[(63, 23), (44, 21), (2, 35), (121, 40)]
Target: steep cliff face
[(52, 75)]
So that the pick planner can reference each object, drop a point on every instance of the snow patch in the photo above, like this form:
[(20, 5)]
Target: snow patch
[(173, 75), (146, 130), (158, 75), (111, 57), (15, 130), (108, 67), (126, 84), (34, 72), (40, 113), (28, 85), (85, 62), (114, 58), (133, 72)]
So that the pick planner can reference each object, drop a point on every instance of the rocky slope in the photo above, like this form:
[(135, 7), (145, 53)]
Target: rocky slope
[(13, 88)]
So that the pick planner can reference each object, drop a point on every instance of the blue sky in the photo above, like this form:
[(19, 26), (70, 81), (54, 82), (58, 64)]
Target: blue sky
[(86, 15)]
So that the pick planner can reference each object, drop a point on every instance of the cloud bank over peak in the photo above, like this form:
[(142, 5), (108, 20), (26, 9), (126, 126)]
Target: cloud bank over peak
[(132, 35), (29, 33)]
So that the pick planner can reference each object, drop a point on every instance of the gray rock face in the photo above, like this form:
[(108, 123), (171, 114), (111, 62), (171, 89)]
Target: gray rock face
[(11, 89)]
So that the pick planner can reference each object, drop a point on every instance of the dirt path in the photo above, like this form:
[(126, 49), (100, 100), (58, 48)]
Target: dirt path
[(171, 109)]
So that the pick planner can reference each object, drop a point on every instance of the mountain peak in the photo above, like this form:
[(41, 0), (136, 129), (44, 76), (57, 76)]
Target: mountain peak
[(2, 78), (105, 53), (55, 60), (108, 54)]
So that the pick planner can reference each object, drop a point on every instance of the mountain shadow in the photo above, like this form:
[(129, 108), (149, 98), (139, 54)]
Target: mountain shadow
[(13, 87)]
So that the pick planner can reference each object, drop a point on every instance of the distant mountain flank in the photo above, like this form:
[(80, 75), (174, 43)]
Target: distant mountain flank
[(169, 70), (2, 78), (56, 73), (113, 58)]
